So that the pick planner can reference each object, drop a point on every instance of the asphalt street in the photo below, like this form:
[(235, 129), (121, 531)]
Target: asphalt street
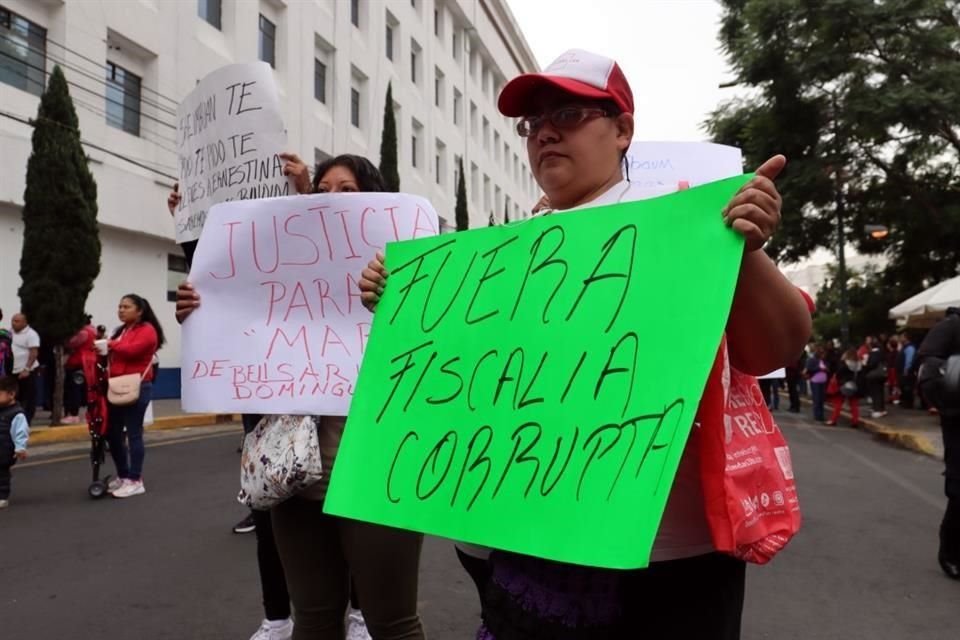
[(165, 565)]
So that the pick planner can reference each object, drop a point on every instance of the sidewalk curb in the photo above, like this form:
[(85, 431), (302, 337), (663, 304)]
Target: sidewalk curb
[(76, 433), (905, 439)]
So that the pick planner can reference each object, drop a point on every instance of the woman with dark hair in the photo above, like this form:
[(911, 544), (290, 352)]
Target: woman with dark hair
[(325, 558), (130, 351)]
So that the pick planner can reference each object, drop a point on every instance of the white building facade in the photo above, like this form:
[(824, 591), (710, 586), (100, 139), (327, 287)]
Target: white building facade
[(128, 63)]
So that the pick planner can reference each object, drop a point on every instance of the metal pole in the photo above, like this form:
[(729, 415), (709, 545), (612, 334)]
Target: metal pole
[(842, 266)]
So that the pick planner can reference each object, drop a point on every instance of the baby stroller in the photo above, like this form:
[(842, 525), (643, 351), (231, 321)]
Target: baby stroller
[(95, 372)]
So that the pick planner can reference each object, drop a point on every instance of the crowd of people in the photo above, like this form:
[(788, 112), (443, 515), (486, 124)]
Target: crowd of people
[(130, 349), (882, 369)]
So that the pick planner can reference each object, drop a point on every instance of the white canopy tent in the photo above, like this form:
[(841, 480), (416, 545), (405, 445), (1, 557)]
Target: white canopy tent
[(927, 307)]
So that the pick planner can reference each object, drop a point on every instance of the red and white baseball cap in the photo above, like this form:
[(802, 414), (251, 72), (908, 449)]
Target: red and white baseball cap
[(577, 72)]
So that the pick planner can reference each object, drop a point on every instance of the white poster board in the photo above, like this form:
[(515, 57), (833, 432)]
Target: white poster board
[(680, 165), (229, 135), (281, 328)]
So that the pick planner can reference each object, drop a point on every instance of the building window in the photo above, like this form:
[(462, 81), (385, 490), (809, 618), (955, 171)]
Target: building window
[(456, 44), (413, 150), (473, 120), (23, 53), (268, 42), (436, 22), (496, 146), (355, 12), (414, 62), (389, 43), (437, 167), (123, 99), (355, 107), (438, 88), (210, 11), (457, 106), (319, 81), (486, 134), (176, 273)]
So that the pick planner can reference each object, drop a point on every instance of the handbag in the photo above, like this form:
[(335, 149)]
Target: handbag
[(124, 391), (281, 457), (746, 473), (849, 389)]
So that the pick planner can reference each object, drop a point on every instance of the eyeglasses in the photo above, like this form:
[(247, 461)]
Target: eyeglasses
[(562, 118)]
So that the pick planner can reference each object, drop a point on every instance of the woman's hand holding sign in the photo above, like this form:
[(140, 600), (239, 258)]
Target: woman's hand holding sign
[(755, 211), (372, 281), (187, 301), (296, 169)]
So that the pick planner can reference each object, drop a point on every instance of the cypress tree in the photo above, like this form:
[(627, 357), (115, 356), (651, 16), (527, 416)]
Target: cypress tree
[(462, 217), (388, 145), (492, 221), (506, 213), (61, 243)]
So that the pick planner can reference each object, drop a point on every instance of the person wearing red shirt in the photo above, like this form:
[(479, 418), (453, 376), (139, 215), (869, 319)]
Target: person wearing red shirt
[(80, 347), (131, 351)]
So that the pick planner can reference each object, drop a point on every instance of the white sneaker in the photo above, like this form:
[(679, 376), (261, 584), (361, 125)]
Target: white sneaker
[(878, 414), (274, 630), (357, 626), (114, 484), (4, 504), (130, 488)]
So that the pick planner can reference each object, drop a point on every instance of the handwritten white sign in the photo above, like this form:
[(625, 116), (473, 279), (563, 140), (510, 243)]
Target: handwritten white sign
[(229, 135), (680, 165), (281, 328)]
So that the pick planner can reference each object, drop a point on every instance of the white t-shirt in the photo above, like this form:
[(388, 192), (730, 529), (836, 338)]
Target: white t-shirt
[(684, 531), (22, 342)]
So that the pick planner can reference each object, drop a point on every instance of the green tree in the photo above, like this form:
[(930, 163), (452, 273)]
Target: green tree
[(506, 213), (492, 221), (861, 97), (462, 217), (61, 242), (388, 145), (869, 302)]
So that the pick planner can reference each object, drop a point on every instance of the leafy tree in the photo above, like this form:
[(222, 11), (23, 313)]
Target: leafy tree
[(462, 217), (388, 145), (869, 301), (861, 97), (61, 242)]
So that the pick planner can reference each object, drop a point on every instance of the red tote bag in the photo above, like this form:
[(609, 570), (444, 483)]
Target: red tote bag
[(748, 484)]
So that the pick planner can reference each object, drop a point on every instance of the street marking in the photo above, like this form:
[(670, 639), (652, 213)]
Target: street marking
[(901, 482), (86, 456)]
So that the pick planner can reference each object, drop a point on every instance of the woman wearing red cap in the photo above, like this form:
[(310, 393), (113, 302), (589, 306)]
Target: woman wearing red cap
[(577, 118)]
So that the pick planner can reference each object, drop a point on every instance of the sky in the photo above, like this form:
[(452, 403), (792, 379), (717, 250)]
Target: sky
[(668, 50)]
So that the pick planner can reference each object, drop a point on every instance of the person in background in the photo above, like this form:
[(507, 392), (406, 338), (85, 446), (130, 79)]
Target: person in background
[(843, 387), (875, 377), (14, 432), (130, 351), (577, 118), (891, 356), (101, 332), (26, 352), (942, 343), (79, 348), (906, 372), (817, 372), (794, 377), (6, 350)]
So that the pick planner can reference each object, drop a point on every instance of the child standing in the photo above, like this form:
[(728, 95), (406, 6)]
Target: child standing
[(14, 431)]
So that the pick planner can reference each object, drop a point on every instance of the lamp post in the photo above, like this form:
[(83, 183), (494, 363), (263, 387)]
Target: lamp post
[(842, 263)]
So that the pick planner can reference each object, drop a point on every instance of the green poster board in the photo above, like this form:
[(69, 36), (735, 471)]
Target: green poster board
[(531, 387)]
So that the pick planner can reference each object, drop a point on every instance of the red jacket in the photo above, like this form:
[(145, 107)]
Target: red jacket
[(80, 345), (133, 351)]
